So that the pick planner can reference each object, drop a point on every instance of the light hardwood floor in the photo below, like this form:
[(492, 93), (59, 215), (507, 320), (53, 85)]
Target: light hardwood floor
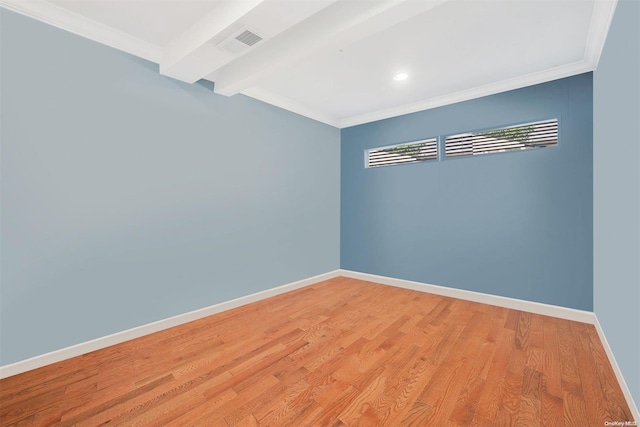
[(342, 352)]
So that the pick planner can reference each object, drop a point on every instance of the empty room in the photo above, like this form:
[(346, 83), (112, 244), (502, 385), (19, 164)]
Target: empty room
[(320, 213)]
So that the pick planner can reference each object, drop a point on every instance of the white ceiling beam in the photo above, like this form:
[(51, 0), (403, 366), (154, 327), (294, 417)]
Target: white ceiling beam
[(342, 23), (185, 57)]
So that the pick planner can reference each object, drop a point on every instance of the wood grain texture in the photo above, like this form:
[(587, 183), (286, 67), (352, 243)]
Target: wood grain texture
[(342, 352)]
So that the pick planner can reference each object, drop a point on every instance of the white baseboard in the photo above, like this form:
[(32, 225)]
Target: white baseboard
[(515, 304), (617, 371), (149, 328), (512, 303)]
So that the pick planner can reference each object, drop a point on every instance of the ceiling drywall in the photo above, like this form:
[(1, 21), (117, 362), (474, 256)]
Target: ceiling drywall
[(335, 60)]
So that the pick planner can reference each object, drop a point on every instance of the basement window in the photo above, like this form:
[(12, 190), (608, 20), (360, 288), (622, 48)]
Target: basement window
[(411, 152), (520, 137)]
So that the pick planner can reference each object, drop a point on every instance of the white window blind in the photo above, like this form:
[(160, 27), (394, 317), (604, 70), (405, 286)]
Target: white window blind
[(412, 152), (520, 137)]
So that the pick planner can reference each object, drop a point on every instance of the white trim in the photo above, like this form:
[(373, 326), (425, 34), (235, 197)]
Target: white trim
[(515, 304), (189, 57), (544, 76), (339, 24), (149, 328), (512, 303), (616, 369), (603, 11), (285, 103), (49, 13), (77, 24)]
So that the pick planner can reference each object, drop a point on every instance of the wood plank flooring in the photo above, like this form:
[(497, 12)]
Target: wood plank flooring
[(343, 352)]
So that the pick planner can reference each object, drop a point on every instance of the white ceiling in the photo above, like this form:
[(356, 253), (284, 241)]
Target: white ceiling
[(334, 60)]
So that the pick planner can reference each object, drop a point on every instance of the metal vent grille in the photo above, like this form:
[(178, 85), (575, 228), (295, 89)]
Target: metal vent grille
[(412, 152), (248, 38), (521, 137)]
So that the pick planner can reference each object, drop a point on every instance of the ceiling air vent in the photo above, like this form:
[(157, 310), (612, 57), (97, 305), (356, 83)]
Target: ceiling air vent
[(240, 41), (248, 38)]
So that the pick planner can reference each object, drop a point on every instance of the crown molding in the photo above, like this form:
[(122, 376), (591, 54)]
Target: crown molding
[(603, 11), (465, 95), (285, 103), (600, 22), (601, 18), (77, 24), (475, 92)]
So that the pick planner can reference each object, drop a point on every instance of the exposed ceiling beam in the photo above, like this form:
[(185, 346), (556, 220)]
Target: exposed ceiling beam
[(189, 57), (342, 23)]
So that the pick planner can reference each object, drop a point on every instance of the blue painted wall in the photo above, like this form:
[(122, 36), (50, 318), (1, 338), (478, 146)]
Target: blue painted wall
[(616, 188), (128, 197), (512, 224)]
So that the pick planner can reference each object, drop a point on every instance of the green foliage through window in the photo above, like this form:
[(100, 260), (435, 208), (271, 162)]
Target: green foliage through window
[(514, 138), (520, 133), (418, 151), (413, 150)]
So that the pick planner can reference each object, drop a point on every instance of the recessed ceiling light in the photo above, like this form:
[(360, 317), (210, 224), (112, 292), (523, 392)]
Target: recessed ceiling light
[(400, 76)]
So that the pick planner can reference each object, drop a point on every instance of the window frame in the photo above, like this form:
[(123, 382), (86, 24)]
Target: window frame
[(443, 149), (434, 139)]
